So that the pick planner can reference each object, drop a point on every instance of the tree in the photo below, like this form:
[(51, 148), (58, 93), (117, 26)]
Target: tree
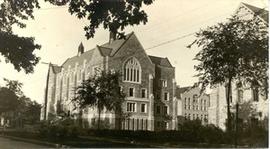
[(101, 91), (29, 110), (234, 50), (114, 15), (14, 86), (17, 50), (8, 100)]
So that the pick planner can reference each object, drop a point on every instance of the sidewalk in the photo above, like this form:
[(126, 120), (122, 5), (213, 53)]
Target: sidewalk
[(38, 142)]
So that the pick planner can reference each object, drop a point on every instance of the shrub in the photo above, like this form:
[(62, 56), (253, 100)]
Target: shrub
[(62, 128)]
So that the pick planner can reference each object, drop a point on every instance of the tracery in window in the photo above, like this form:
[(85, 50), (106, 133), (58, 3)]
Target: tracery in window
[(132, 70)]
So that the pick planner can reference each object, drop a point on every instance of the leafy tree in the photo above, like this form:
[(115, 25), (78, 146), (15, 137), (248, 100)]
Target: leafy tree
[(234, 50), (101, 91), (29, 110), (14, 86), (114, 15), (17, 50), (8, 100)]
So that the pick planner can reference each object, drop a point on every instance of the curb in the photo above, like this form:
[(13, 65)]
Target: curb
[(35, 142)]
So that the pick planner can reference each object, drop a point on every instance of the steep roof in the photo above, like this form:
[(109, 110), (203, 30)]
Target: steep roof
[(180, 90), (184, 89), (107, 49), (104, 51), (262, 13), (160, 61), (78, 59), (115, 45)]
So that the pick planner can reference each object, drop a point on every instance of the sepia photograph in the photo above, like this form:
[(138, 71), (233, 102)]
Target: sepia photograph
[(134, 74)]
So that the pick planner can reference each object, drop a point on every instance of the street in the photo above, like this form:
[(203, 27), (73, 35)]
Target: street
[(12, 144)]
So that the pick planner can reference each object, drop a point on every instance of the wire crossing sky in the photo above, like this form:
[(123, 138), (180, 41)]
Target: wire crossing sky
[(171, 27)]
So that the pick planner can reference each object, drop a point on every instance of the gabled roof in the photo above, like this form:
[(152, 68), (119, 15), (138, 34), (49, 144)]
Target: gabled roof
[(160, 61), (107, 49), (184, 89), (78, 59), (104, 51), (180, 90), (262, 13), (115, 45)]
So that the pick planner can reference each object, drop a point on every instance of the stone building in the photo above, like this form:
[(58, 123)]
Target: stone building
[(218, 107), (148, 82), (192, 105)]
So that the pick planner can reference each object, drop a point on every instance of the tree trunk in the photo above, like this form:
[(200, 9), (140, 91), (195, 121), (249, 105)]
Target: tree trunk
[(99, 113), (228, 97)]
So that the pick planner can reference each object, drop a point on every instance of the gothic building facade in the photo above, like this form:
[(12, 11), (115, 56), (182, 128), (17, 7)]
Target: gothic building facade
[(148, 82), (245, 94)]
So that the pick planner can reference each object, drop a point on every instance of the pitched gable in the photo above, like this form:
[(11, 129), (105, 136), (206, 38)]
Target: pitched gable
[(262, 13), (160, 61), (115, 45)]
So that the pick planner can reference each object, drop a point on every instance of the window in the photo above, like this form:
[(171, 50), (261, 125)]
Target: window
[(189, 101), (193, 117), (166, 110), (132, 70), (158, 109), (131, 92), (240, 95), (131, 107), (185, 107), (167, 125), (143, 108), (189, 116), (185, 100), (166, 96), (164, 83), (185, 115), (195, 98), (255, 93), (143, 93)]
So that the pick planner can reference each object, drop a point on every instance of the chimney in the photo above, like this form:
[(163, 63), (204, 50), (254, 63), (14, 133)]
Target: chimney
[(112, 36), (80, 49)]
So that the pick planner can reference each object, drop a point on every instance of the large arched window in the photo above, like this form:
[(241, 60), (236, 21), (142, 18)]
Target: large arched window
[(132, 70)]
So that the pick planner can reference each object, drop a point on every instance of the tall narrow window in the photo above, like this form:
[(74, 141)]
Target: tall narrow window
[(131, 107), (166, 110), (143, 108), (255, 93), (164, 83), (132, 70), (67, 96), (166, 96), (131, 92), (143, 93)]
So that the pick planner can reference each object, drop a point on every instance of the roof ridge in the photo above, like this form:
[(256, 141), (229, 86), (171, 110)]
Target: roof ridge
[(129, 35)]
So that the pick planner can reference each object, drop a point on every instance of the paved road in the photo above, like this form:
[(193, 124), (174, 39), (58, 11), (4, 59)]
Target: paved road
[(12, 144)]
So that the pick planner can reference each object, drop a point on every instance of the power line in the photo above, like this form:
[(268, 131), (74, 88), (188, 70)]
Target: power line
[(169, 41)]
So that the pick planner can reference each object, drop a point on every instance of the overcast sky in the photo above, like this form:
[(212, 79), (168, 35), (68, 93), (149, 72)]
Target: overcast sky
[(59, 33)]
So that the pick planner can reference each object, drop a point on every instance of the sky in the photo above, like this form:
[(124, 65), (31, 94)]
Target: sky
[(60, 34)]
